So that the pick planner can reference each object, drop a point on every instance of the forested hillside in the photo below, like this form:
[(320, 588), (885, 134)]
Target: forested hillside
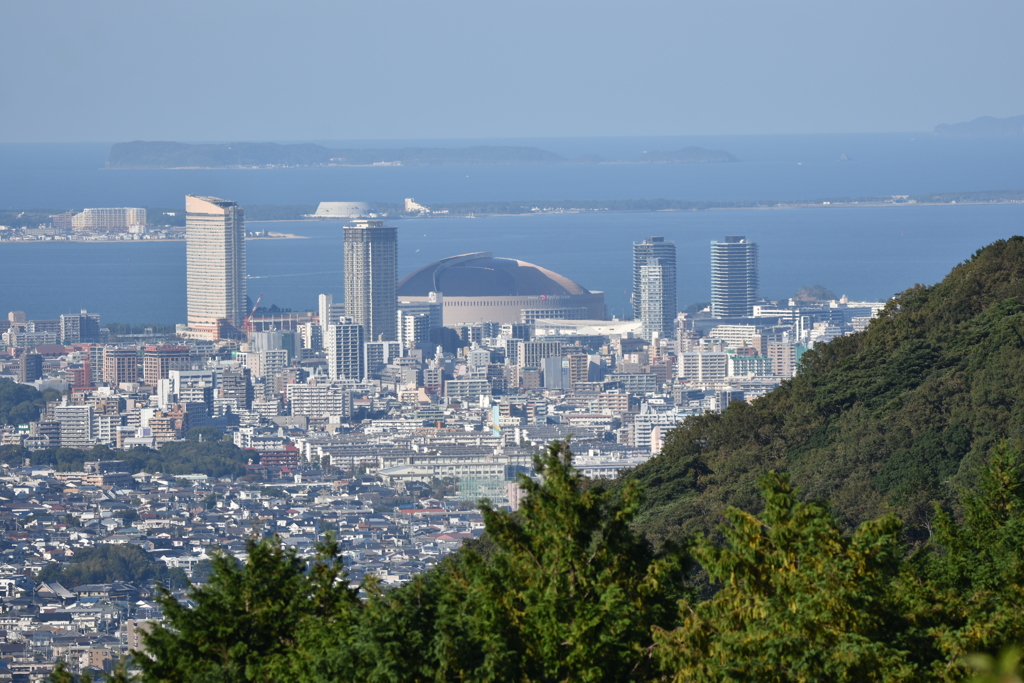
[(893, 419)]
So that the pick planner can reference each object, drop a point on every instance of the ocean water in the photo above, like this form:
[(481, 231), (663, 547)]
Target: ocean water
[(769, 167), (867, 253), (864, 252)]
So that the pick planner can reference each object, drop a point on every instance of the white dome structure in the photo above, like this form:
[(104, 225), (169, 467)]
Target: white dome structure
[(343, 210), (480, 287)]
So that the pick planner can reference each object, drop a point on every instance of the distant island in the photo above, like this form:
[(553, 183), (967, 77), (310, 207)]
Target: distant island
[(985, 126), (179, 155)]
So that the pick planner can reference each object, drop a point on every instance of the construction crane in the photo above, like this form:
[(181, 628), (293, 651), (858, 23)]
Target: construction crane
[(248, 319)]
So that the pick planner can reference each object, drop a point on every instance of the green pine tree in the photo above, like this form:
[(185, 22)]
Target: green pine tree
[(799, 601), (966, 589), (249, 620)]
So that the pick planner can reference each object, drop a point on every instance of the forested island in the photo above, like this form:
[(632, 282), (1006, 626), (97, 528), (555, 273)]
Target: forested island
[(170, 155)]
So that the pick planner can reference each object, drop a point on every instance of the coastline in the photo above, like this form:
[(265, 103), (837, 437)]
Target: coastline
[(470, 211), (399, 164), (270, 236), (758, 207)]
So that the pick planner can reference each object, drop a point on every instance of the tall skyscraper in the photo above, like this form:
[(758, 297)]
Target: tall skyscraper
[(371, 278), (215, 256), (734, 286), (654, 286)]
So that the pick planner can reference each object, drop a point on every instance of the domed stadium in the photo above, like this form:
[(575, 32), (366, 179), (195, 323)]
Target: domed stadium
[(480, 287)]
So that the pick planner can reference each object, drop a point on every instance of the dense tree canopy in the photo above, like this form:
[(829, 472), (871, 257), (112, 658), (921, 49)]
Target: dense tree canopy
[(814, 293), (250, 618), (795, 592), (107, 563), (21, 403), (215, 457)]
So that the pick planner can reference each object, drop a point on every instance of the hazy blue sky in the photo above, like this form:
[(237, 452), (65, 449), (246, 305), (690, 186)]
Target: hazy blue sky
[(257, 70)]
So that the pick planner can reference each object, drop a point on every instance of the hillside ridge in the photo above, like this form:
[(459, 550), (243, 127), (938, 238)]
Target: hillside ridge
[(895, 419)]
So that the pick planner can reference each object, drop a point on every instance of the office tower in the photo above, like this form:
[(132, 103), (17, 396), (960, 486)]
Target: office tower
[(196, 394), (215, 257), (371, 278), (267, 363), (516, 331), (656, 247), (733, 277), (432, 307), (83, 327), (120, 365), (345, 349)]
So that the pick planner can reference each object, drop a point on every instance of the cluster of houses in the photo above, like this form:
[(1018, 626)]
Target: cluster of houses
[(391, 532)]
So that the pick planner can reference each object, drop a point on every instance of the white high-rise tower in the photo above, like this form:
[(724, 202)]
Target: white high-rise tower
[(215, 258), (734, 289), (371, 278)]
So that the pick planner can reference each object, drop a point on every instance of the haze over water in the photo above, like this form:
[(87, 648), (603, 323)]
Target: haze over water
[(781, 167), (864, 252)]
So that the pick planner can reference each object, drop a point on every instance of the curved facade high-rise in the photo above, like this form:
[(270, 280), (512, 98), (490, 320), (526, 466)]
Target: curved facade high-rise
[(734, 281), (215, 258), (371, 278)]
